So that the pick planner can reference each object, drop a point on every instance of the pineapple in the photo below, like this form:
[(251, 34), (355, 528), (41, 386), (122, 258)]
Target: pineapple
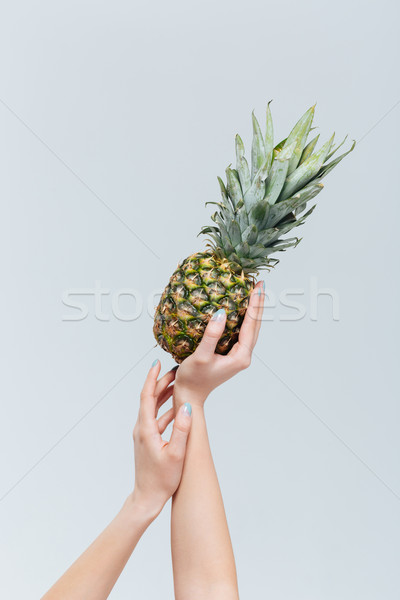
[(258, 206)]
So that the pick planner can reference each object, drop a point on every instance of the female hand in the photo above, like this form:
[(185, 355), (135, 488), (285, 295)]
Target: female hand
[(205, 370), (158, 464)]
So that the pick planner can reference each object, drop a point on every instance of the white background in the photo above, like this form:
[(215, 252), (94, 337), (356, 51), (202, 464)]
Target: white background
[(142, 100)]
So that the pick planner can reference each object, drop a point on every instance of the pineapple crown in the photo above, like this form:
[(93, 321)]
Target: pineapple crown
[(261, 205)]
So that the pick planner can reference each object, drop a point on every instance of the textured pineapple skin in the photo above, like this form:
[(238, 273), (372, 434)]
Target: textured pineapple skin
[(201, 285)]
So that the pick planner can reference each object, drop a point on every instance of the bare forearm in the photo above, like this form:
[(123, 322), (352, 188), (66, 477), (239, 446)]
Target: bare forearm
[(203, 560), (95, 572)]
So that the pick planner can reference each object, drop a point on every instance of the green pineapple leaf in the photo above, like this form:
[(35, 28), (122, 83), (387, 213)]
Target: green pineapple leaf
[(235, 233), (328, 168), (306, 171), (233, 186), (263, 203), (250, 234), (223, 190), (285, 207), (309, 149), (257, 189), (258, 147), (336, 149), (278, 173), (241, 165), (299, 135), (269, 135)]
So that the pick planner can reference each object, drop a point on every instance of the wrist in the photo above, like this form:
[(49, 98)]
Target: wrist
[(142, 509), (182, 395)]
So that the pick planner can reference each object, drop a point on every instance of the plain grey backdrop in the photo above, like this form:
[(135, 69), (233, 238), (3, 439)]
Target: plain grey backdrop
[(115, 119)]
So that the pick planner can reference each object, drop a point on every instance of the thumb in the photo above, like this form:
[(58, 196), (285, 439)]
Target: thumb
[(180, 431), (212, 334)]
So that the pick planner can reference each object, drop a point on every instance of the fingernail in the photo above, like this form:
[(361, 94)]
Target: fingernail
[(153, 364), (259, 291), (187, 409), (264, 286), (219, 315)]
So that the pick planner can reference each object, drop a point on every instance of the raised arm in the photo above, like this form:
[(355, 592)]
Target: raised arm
[(158, 470), (202, 555)]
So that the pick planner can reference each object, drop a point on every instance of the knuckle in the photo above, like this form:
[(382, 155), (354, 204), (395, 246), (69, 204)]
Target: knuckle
[(213, 333), (181, 428), (201, 360), (141, 436), (245, 362), (175, 455)]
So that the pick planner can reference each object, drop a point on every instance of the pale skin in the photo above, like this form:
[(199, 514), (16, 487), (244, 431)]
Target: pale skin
[(158, 470), (202, 555), (183, 468)]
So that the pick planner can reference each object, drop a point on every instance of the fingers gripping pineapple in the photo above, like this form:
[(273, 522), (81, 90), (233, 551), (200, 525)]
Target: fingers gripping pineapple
[(258, 206)]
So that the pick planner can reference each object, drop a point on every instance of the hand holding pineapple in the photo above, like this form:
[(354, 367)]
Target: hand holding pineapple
[(205, 370)]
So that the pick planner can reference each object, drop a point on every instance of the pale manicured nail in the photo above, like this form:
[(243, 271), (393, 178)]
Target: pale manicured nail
[(187, 409), (264, 286), (154, 363), (219, 315), (259, 291)]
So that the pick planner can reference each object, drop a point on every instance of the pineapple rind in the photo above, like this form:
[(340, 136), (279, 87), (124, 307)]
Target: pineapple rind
[(201, 285)]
